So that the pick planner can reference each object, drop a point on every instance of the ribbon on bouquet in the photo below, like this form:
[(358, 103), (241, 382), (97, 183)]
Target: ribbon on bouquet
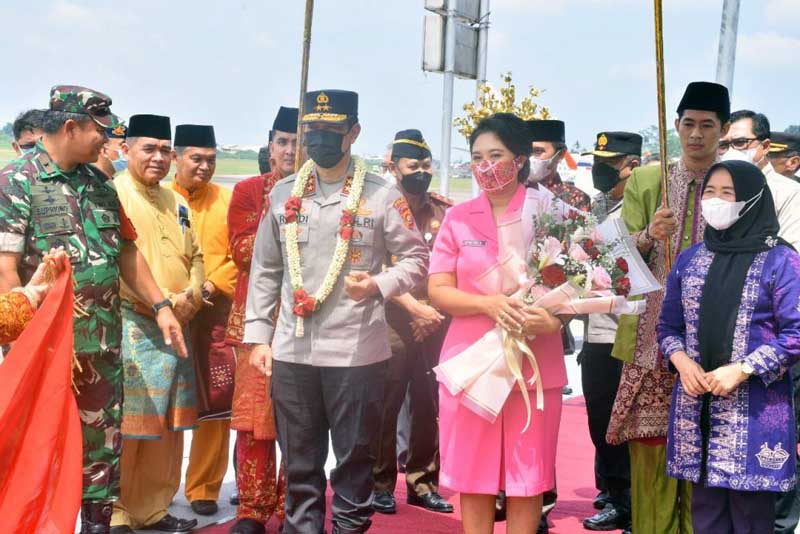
[(516, 350)]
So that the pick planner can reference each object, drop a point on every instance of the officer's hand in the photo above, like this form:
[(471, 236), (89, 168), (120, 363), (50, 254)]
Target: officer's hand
[(261, 359), (360, 285), (421, 329), (171, 330), (663, 224), (428, 313)]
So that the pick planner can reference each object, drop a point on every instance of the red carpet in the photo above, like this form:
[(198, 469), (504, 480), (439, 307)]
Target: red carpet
[(575, 468)]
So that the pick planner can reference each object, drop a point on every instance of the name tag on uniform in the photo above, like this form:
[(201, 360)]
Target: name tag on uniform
[(473, 243)]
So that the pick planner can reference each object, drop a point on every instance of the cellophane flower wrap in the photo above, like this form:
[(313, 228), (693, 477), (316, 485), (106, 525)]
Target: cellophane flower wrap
[(566, 268)]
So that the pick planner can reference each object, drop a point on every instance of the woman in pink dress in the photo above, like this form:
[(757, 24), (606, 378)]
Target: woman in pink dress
[(480, 458)]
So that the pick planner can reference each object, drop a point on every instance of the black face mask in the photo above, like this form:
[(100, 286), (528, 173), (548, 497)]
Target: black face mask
[(416, 183), (324, 147), (604, 177)]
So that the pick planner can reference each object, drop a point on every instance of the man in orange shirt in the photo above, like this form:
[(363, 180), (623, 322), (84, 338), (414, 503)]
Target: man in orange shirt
[(195, 157)]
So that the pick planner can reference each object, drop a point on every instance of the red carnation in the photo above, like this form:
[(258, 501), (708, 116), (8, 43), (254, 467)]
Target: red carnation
[(623, 286), (553, 276), (622, 265), (346, 232), (292, 208), (347, 218), (594, 253), (304, 305), (588, 244)]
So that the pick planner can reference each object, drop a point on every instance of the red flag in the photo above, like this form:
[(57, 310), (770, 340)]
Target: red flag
[(41, 448)]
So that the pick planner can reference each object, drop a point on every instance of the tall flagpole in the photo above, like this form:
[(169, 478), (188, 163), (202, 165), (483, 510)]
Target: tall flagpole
[(662, 116), (304, 80)]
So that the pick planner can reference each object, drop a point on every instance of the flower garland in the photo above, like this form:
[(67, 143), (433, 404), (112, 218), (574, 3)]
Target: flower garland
[(305, 304)]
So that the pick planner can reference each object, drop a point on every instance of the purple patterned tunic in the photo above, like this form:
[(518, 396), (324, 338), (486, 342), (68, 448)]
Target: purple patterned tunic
[(751, 442)]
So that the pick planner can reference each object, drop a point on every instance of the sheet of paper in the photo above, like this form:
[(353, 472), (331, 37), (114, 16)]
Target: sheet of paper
[(642, 280)]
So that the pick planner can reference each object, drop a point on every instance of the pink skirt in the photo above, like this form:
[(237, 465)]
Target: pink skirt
[(484, 458)]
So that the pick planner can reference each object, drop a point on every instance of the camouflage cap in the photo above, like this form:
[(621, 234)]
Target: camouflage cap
[(77, 99)]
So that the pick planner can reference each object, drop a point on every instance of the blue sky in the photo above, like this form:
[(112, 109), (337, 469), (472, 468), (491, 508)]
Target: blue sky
[(232, 63)]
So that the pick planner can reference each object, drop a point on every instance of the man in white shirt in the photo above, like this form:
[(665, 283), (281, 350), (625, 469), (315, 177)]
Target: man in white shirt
[(749, 139)]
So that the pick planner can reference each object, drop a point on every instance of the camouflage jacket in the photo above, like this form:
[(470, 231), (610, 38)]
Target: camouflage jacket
[(42, 207)]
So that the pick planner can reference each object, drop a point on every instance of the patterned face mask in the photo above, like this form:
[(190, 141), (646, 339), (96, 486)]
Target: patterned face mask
[(492, 176)]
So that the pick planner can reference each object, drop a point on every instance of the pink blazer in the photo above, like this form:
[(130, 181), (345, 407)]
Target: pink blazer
[(467, 246)]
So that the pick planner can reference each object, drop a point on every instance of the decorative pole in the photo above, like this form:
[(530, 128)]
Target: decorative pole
[(304, 80), (662, 116)]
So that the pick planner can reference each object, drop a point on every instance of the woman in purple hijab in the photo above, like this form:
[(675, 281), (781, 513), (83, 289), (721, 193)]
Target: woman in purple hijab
[(730, 326)]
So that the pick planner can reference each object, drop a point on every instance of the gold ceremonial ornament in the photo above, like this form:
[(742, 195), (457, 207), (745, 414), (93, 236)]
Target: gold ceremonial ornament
[(602, 141), (662, 114), (503, 100), (322, 102)]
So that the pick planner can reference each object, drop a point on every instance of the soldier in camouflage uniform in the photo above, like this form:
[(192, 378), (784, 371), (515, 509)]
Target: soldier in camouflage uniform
[(50, 198)]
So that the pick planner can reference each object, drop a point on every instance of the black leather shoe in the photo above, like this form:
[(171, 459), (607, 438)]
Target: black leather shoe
[(170, 523), (96, 517), (609, 518), (235, 499), (205, 507), (122, 529), (544, 527), (500, 507), (601, 500), (247, 526), (384, 503), (430, 501)]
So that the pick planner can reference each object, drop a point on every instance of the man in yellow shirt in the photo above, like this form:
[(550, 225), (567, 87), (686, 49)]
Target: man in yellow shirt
[(195, 156), (159, 388)]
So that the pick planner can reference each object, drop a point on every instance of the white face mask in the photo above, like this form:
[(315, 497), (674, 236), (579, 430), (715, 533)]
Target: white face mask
[(389, 177), (541, 168), (732, 154), (722, 214)]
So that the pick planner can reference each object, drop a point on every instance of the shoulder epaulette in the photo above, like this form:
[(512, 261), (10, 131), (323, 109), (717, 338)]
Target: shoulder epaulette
[(441, 198)]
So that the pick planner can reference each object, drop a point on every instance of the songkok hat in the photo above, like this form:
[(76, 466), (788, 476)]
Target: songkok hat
[(613, 144), (331, 105), (155, 126), (196, 135), (551, 131), (410, 144), (707, 96), (285, 120)]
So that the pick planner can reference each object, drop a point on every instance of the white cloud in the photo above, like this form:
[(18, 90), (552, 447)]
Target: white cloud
[(782, 12), (642, 71), (70, 13), (769, 49)]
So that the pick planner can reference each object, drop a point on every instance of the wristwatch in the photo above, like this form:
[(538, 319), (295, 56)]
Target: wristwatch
[(747, 369), (158, 305)]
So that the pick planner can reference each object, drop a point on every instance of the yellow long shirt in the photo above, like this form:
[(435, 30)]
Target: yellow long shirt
[(209, 205), (166, 237)]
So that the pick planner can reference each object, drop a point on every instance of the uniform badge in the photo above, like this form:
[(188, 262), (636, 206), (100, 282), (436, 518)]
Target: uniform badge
[(311, 188), (404, 210), (602, 141), (362, 208), (323, 102), (356, 254), (435, 225)]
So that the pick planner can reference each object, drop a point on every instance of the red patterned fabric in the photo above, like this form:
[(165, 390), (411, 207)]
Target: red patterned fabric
[(248, 204), (41, 449), (261, 492)]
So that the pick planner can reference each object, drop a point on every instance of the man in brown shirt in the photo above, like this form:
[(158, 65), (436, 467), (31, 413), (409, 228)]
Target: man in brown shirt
[(416, 335)]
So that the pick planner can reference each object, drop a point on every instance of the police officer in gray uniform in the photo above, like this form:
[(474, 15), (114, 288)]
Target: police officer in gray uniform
[(328, 357)]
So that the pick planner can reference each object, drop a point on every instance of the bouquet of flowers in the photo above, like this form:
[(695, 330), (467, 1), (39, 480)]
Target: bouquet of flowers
[(568, 268), (572, 269)]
